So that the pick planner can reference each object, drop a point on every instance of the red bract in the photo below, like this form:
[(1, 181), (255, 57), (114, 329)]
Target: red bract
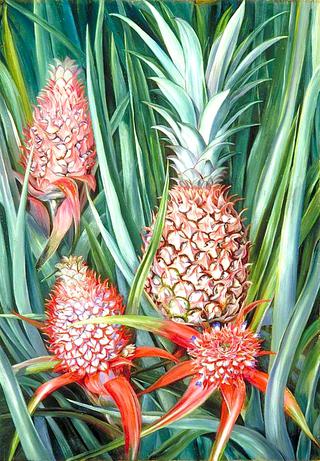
[(98, 357), (221, 358), (60, 141)]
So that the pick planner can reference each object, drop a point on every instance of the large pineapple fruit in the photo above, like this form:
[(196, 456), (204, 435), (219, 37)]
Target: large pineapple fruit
[(200, 271)]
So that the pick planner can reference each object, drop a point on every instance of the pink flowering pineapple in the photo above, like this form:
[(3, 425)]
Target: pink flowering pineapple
[(99, 357), (220, 358), (60, 141)]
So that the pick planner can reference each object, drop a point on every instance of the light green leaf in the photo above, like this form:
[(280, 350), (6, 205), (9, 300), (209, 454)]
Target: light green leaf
[(248, 60), (194, 73), (139, 280), (170, 40), (155, 48), (118, 223), (179, 100), (223, 52), (210, 114), (244, 46)]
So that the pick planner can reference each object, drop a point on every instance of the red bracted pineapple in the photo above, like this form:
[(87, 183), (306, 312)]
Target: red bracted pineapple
[(200, 271), (219, 358), (60, 141), (99, 357)]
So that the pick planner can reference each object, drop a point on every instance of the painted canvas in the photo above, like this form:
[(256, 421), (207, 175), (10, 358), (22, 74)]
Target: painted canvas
[(159, 230)]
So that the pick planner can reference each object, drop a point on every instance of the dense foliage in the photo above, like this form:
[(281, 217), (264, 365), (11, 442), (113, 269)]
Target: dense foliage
[(129, 51)]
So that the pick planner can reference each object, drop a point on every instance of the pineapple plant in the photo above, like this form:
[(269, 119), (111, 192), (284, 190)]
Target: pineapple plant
[(98, 357), (200, 272), (222, 358), (60, 147), (126, 191)]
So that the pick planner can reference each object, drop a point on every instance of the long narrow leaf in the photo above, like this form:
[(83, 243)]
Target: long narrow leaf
[(139, 280), (31, 443)]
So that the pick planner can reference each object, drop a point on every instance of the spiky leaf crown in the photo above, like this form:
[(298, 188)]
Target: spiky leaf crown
[(201, 97)]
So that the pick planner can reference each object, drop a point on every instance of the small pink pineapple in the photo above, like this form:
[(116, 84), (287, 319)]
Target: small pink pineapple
[(98, 357), (60, 141)]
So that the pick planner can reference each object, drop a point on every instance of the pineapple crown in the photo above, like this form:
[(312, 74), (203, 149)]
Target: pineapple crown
[(201, 116)]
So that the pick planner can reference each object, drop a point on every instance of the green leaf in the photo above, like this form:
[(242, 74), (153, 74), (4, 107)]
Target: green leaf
[(248, 60), (290, 233), (13, 64), (18, 252), (222, 52), (306, 394), (194, 73), (31, 443), (155, 48), (244, 46), (120, 262), (103, 266), (19, 273), (121, 232), (309, 334), (311, 215), (43, 46), (261, 256), (36, 365), (12, 96), (119, 114), (254, 444), (283, 110), (274, 415), (76, 52), (140, 322), (210, 114), (109, 429), (171, 448), (170, 40), (139, 280)]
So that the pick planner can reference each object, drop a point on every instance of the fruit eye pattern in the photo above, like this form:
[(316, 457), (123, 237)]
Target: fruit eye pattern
[(159, 230), (200, 271), (225, 354), (61, 136), (79, 295)]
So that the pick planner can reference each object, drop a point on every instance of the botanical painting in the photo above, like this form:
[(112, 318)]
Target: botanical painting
[(159, 230)]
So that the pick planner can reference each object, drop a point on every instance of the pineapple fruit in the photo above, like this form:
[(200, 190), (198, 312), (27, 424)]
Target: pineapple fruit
[(200, 270)]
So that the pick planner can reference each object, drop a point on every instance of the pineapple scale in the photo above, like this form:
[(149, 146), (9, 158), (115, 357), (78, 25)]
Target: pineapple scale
[(224, 355), (60, 135), (200, 270), (79, 295)]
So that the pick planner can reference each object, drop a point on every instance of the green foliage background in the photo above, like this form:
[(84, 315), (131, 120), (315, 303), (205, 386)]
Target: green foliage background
[(276, 169)]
